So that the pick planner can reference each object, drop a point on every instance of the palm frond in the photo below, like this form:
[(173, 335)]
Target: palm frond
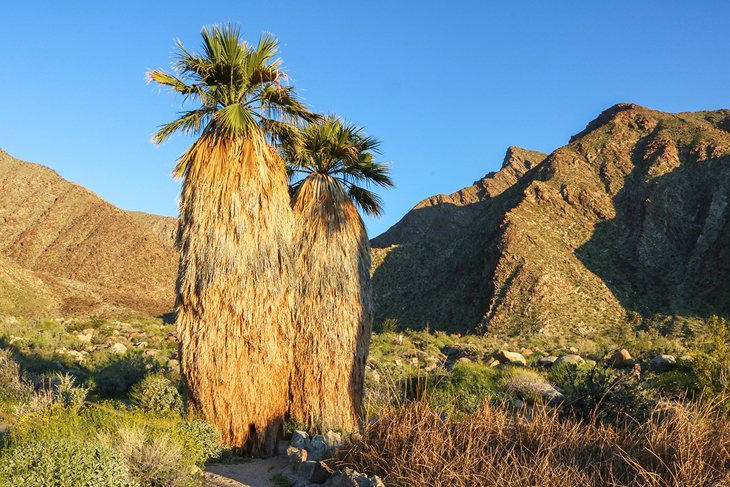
[(366, 200)]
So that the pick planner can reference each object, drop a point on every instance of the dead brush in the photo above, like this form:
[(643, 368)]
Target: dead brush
[(411, 445)]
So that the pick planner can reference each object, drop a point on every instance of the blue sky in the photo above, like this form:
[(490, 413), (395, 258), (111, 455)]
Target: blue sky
[(446, 86)]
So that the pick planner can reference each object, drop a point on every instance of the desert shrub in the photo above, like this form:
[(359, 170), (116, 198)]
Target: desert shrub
[(525, 384), (462, 390), (413, 445), (12, 387), (68, 393), (157, 394), (388, 325), (601, 392), (118, 373), (153, 458), (204, 438), (63, 463)]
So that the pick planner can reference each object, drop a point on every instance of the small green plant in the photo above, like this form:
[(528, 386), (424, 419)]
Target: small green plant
[(388, 325), (157, 394), (63, 463), (153, 459), (204, 438), (68, 393), (117, 374), (12, 387)]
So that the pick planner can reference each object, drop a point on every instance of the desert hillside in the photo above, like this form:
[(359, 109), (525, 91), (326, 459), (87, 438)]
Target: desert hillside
[(627, 220), (80, 254)]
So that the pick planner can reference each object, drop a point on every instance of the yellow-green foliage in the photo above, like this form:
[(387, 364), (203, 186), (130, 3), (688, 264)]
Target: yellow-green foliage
[(166, 449)]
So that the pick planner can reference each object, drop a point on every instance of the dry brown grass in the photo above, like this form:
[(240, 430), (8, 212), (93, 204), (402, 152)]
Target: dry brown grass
[(234, 289), (412, 446), (333, 315)]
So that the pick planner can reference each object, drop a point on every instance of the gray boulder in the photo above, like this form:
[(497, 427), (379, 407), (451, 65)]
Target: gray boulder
[(547, 361), (663, 362), (571, 358)]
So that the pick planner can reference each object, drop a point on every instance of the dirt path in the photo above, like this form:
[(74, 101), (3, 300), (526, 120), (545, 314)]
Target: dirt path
[(256, 473)]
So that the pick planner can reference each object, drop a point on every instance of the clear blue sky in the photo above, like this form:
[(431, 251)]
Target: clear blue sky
[(446, 86)]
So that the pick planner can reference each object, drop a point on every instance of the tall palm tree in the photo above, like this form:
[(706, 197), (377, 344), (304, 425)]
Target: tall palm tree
[(331, 164), (235, 275)]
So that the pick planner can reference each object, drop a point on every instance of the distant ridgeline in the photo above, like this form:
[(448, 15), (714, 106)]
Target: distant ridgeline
[(629, 219)]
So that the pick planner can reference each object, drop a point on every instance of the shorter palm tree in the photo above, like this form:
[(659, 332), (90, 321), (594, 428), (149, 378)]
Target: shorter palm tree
[(331, 164)]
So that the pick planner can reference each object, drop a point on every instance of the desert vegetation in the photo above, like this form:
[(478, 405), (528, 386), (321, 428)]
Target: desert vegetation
[(442, 409)]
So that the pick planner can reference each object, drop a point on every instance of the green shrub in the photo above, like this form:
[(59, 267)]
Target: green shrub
[(463, 390), (118, 374), (63, 463), (154, 458), (68, 393), (388, 325), (204, 438), (157, 394), (12, 387)]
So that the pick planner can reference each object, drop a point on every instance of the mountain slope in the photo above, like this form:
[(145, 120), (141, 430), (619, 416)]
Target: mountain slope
[(92, 255), (630, 216), (442, 215)]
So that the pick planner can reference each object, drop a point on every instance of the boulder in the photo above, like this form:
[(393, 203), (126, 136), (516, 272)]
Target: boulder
[(663, 362), (296, 455), (118, 348), (320, 473), (340, 479), (333, 440), (299, 439), (621, 359), (317, 448), (571, 358), (511, 358), (547, 361)]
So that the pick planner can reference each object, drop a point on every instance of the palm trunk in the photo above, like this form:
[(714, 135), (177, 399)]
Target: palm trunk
[(233, 290), (333, 316)]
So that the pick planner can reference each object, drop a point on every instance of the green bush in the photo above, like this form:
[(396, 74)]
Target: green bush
[(118, 374), (63, 463), (157, 394), (12, 387), (68, 393), (388, 325), (204, 438), (154, 457), (460, 392)]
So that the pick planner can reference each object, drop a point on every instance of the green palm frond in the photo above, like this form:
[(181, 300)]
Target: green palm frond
[(238, 88), (330, 147)]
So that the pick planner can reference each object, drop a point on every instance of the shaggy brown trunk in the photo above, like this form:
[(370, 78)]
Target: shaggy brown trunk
[(333, 316), (233, 290)]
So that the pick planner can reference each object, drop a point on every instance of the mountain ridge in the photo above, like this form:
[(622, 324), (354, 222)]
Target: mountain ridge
[(626, 223)]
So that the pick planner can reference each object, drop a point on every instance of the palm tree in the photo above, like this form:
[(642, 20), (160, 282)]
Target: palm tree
[(330, 163), (235, 275)]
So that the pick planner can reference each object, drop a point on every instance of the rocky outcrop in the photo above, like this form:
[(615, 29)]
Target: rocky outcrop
[(442, 216)]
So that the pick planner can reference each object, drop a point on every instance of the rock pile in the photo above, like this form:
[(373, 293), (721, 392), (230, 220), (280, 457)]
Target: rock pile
[(308, 470)]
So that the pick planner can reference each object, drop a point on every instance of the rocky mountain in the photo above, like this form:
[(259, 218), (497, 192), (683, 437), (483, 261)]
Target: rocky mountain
[(65, 249), (442, 216), (628, 220)]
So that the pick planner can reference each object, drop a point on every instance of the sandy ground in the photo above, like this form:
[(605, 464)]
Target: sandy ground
[(256, 473)]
